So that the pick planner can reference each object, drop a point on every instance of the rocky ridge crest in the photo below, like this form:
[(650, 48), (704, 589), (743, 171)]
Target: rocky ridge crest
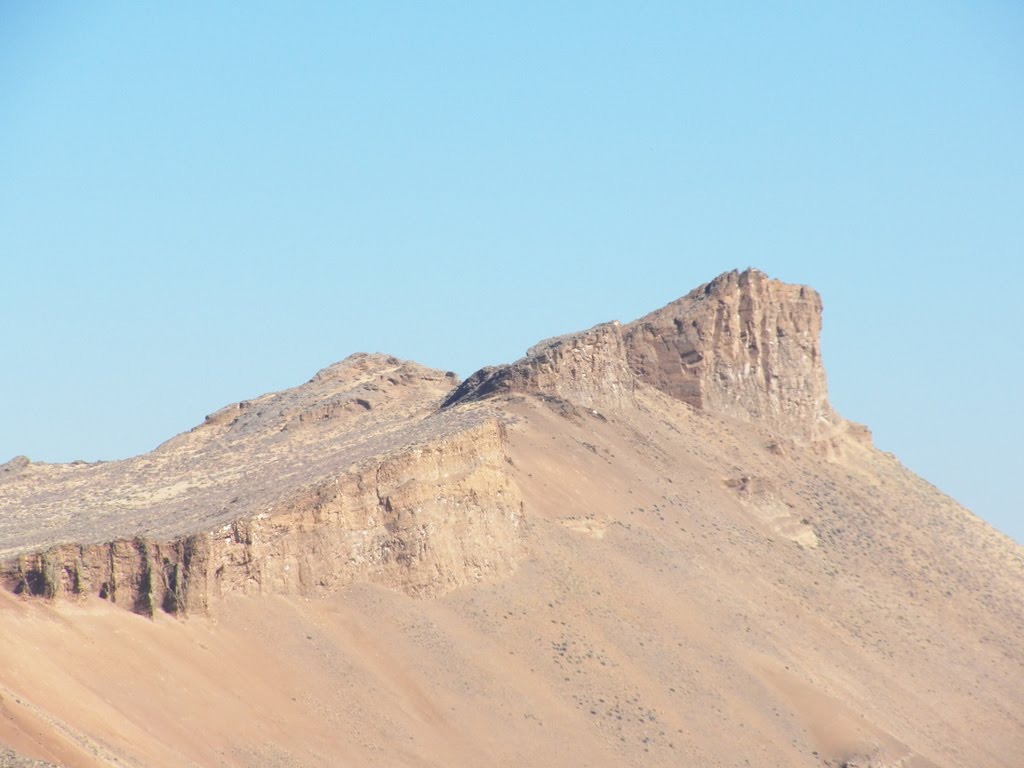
[(382, 470), (743, 346)]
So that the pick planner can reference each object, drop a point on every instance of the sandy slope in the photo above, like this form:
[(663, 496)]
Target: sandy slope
[(644, 545), (666, 614)]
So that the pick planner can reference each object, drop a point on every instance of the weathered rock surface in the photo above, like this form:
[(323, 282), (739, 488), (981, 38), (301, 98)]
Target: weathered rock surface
[(429, 518), (744, 346), (358, 475), (587, 368), (351, 476), (648, 544)]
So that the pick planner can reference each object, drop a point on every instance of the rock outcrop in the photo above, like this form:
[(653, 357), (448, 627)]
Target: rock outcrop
[(382, 470), (652, 544), (587, 368), (427, 519), (352, 476), (743, 346)]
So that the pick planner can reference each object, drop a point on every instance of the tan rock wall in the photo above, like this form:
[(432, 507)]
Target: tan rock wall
[(587, 368), (744, 346), (423, 521)]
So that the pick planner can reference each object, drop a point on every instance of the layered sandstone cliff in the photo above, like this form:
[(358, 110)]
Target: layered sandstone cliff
[(744, 346), (587, 368), (641, 545), (429, 518), (382, 470), (351, 477)]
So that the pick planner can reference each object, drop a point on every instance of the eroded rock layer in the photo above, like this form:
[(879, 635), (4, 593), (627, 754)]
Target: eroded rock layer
[(743, 345), (385, 471), (652, 544), (352, 476), (587, 368), (428, 519)]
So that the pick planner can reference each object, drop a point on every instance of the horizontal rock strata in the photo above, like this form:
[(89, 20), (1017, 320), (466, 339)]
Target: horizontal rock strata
[(383, 470), (423, 521)]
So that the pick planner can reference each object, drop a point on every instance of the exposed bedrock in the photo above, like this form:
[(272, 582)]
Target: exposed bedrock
[(743, 346), (357, 475), (423, 521), (587, 368)]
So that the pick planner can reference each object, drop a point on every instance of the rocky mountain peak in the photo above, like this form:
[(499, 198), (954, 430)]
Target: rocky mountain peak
[(743, 345), (648, 543)]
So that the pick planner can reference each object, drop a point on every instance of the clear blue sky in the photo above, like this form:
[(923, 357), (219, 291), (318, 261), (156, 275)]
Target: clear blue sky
[(203, 202)]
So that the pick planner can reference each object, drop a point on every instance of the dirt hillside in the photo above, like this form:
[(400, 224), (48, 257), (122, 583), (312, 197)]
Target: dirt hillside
[(646, 544)]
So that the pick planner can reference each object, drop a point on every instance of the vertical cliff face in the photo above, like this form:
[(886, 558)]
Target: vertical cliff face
[(136, 574), (423, 520), (744, 346)]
